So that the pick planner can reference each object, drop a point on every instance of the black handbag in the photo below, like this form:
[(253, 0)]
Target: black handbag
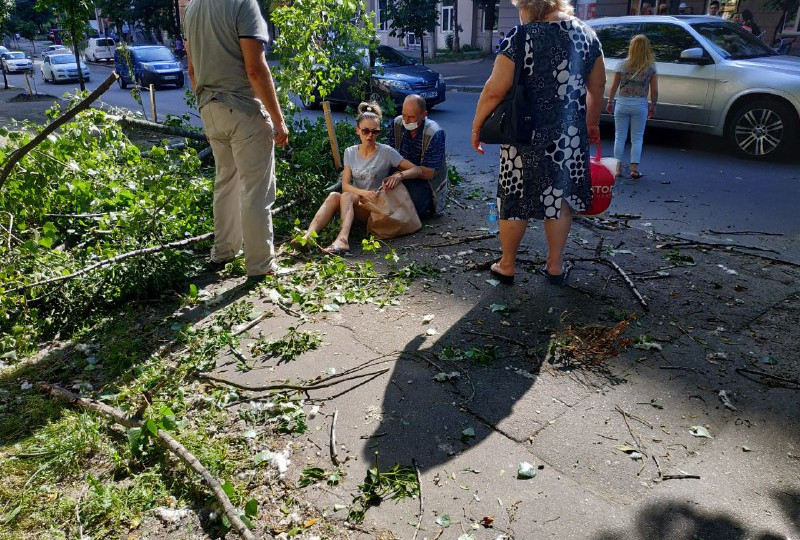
[(512, 121)]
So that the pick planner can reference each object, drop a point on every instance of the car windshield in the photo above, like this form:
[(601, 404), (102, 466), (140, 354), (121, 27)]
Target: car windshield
[(14, 55), (389, 57), (732, 42), (62, 59), (160, 54)]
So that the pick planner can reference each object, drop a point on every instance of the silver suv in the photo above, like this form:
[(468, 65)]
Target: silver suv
[(714, 77)]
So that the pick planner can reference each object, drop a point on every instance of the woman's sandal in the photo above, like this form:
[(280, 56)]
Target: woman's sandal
[(636, 175), (558, 279), (336, 250), (502, 278)]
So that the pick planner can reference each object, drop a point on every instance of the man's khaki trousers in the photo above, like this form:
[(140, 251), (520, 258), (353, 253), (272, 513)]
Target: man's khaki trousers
[(244, 190)]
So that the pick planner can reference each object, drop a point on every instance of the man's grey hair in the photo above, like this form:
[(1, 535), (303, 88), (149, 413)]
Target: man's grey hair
[(418, 100)]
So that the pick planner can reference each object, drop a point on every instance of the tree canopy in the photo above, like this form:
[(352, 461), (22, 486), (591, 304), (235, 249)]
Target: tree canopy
[(413, 16)]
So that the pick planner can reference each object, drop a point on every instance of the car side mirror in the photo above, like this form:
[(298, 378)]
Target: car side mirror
[(695, 55)]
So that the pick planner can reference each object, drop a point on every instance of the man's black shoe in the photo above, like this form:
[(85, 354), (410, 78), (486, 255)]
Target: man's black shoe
[(213, 266)]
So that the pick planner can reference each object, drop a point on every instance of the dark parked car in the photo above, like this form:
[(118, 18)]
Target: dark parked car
[(152, 64), (395, 76)]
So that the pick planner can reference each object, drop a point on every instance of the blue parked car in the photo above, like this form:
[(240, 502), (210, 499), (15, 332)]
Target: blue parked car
[(395, 76), (152, 64)]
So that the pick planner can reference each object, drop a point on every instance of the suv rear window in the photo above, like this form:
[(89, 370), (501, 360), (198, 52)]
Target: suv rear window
[(616, 38), (105, 42)]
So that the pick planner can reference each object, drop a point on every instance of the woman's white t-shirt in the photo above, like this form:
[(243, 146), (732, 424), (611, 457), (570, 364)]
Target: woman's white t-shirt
[(369, 173)]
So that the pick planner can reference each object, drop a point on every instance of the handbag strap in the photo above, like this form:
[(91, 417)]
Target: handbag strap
[(520, 56)]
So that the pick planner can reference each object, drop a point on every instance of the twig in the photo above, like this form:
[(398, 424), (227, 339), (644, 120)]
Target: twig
[(708, 245), (635, 439), (78, 512), (286, 386), (628, 282), (678, 367), (456, 202), (77, 216), (252, 323), (768, 375), (334, 457), (167, 440), (680, 476), (690, 336), (634, 417), (712, 231), (19, 153), (658, 466), (421, 499), (464, 240), (10, 227), (116, 259)]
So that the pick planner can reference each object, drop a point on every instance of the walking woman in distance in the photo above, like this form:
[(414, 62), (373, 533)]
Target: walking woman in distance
[(634, 76), (548, 177)]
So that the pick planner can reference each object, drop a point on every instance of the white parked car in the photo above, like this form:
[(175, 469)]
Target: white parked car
[(62, 67), (100, 49), (16, 62), (50, 49), (714, 77)]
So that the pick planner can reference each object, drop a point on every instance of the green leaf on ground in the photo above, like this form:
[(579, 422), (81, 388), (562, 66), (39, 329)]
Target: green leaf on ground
[(525, 471), (443, 520), (700, 431)]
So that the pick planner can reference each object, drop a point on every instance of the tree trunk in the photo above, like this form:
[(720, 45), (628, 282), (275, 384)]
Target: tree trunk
[(456, 28), (422, 47), (5, 78), (75, 41)]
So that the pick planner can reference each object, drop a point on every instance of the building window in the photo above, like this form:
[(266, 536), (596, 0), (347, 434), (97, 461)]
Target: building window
[(383, 19), (448, 24)]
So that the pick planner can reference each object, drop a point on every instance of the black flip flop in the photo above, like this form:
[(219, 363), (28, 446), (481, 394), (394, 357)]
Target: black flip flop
[(502, 278), (558, 279), (636, 175)]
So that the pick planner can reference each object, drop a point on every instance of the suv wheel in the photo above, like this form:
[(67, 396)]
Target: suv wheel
[(122, 83), (762, 129)]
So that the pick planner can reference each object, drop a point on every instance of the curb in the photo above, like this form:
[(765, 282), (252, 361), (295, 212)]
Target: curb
[(470, 89)]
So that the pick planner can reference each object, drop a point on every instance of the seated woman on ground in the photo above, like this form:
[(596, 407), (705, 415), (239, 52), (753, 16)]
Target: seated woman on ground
[(366, 171)]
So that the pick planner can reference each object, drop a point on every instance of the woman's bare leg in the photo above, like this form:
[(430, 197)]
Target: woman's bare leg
[(511, 233), (347, 214), (556, 232), (324, 215)]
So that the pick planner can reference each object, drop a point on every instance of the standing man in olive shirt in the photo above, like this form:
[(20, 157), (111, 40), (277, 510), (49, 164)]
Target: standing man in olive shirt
[(243, 121)]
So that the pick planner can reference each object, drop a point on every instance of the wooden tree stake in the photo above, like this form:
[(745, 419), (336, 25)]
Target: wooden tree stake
[(337, 159)]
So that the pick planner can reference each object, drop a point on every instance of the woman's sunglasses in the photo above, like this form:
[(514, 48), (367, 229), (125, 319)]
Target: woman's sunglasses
[(365, 132)]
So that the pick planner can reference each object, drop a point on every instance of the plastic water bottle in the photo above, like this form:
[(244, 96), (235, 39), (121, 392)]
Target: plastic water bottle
[(492, 220)]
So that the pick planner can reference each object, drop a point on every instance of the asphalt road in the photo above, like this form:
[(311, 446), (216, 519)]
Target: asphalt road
[(693, 187)]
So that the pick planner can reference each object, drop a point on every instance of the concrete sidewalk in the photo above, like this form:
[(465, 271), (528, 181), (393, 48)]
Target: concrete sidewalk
[(690, 432)]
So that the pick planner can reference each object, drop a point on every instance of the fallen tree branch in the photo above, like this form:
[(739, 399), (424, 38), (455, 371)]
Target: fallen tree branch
[(19, 153), (324, 383), (627, 280), (680, 476), (167, 440), (116, 259), (146, 125)]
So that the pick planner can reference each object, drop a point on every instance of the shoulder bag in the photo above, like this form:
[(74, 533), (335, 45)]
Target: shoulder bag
[(512, 121)]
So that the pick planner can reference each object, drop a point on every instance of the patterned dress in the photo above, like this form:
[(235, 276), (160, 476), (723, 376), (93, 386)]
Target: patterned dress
[(536, 178)]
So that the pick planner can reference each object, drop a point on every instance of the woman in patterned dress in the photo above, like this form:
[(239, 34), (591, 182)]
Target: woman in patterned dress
[(548, 178)]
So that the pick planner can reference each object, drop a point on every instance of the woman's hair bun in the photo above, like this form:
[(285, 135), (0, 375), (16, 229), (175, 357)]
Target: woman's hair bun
[(369, 107)]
